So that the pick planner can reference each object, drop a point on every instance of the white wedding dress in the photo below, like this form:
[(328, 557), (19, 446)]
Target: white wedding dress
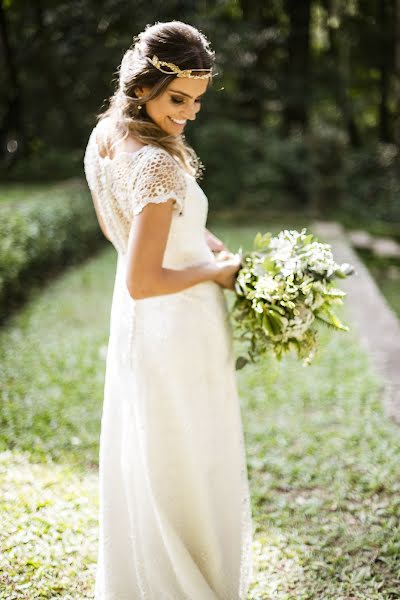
[(175, 518)]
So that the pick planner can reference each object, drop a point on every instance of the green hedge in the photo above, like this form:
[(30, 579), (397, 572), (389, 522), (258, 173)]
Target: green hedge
[(40, 235), (256, 168)]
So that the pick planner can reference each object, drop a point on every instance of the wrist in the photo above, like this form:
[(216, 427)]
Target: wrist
[(211, 271)]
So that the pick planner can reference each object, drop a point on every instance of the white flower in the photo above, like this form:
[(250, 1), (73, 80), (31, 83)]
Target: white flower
[(285, 282)]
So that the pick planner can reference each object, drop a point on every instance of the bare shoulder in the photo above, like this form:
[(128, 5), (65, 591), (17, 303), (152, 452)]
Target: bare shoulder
[(104, 139), (130, 144)]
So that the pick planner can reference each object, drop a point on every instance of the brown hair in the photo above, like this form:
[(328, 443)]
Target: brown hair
[(174, 42)]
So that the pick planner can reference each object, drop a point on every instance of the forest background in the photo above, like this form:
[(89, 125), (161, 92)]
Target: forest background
[(302, 123), (303, 115)]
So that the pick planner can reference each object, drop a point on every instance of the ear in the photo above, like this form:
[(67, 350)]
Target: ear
[(141, 91)]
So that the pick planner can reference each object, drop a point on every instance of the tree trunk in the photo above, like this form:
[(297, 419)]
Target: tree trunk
[(297, 99), (396, 73), (56, 89), (339, 49), (385, 68), (12, 139), (260, 18)]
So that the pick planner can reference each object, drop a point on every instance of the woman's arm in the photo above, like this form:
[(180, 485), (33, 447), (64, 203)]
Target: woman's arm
[(214, 243), (145, 276)]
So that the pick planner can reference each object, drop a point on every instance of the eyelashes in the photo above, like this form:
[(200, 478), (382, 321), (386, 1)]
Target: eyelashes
[(179, 101)]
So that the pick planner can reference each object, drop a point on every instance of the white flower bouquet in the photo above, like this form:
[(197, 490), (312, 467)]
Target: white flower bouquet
[(284, 286)]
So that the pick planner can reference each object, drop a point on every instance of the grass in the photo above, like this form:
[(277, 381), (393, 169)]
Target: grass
[(386, 272), (322, 457), (49, 529), (12, 193)]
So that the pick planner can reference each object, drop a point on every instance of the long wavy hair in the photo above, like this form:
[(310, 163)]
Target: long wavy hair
[(175, 42)]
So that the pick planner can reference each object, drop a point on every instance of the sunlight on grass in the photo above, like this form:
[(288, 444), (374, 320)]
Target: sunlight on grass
[(322, 457), (49, 529), (14, 193)]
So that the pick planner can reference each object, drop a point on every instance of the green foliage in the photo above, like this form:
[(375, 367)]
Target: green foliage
[(52, 355), (302, 114), (386, 272), (322, 457), (256, 169), (45, 162), (284, 170), (283, 285), (42, 234), (372, 180), (228, 150), (49, 530)]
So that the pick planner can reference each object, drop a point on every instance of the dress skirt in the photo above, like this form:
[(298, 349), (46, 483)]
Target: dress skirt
[(175, 515)]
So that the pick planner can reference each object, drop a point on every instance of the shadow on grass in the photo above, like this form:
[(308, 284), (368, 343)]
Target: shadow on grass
[(322, 457)]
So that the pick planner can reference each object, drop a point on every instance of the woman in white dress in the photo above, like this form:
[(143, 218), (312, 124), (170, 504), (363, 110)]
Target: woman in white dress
[(175, 517)]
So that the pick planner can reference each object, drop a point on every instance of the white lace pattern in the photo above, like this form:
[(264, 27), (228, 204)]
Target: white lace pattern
[(175, 516)]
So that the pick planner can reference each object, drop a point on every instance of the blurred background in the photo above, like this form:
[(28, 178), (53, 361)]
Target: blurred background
[(301, 124), (302, 121), (308, 117)]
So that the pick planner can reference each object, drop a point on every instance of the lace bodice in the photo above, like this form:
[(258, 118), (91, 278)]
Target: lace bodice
[(175, 512), (125, 184)]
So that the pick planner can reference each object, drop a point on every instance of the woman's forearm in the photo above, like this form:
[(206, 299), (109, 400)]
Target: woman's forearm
[(168, 281)]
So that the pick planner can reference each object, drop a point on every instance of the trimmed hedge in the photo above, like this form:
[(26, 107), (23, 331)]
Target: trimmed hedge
[(42, 235), (256, 169)]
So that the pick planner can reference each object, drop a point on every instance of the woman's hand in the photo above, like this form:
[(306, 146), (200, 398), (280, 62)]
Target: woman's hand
[(214, 243), (227, 266)]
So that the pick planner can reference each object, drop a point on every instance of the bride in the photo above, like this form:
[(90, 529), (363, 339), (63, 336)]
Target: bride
[(175, 516)]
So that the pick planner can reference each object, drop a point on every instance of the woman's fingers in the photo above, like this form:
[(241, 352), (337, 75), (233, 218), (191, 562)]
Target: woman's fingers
[(224, 255)]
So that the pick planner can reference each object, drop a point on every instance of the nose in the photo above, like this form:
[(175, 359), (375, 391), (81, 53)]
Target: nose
[(192, 113), (189, 116)]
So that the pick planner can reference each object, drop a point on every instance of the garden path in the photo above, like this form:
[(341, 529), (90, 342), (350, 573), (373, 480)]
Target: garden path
[(377, 325)]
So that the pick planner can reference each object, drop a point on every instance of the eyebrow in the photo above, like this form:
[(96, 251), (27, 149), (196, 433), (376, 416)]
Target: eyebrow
[(184, 94)]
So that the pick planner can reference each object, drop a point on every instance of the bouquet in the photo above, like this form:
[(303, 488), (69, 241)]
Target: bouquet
[(284, 285)]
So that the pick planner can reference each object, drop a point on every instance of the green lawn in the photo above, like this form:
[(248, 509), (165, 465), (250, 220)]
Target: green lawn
[(11, 193), (323, 459), (386, 272)]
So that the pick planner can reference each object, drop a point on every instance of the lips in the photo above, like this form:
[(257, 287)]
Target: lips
[(178, 123)]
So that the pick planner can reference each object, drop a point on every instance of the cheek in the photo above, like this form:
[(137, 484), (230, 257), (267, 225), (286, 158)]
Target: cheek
[(167, 108), (159, 110)]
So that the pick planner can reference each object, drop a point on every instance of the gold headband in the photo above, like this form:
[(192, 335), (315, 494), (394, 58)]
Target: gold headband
[(176, 70)]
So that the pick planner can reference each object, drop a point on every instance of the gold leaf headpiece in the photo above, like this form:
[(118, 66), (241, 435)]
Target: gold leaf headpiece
[(176, 70)]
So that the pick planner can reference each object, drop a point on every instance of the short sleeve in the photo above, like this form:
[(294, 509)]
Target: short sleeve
[(158, 179)]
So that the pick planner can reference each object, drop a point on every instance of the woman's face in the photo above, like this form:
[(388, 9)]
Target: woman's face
[(180, 101)]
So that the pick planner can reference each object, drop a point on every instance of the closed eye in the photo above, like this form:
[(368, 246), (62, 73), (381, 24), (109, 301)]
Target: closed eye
[(180, 101)]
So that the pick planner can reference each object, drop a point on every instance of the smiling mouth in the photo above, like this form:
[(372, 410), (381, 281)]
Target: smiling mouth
[(178, 122)]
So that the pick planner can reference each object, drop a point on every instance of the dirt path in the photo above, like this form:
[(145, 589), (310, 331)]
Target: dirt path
[(377, 325)]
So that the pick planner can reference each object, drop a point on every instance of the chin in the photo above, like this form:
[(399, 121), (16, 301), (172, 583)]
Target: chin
[(171, 133)]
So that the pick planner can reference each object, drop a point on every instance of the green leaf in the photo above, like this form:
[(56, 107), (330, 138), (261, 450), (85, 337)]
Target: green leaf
[(269, 265), (262, 241), (276, 321), (328, 317), (258, 239), (241, 362), (335, 292), (278, 309), (307, 239), (266, 325)]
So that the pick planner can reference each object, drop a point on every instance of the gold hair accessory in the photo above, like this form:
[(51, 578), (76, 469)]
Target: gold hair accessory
[(176, 70)]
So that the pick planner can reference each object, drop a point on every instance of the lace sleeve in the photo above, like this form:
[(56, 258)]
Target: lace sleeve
[(159, 179)]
